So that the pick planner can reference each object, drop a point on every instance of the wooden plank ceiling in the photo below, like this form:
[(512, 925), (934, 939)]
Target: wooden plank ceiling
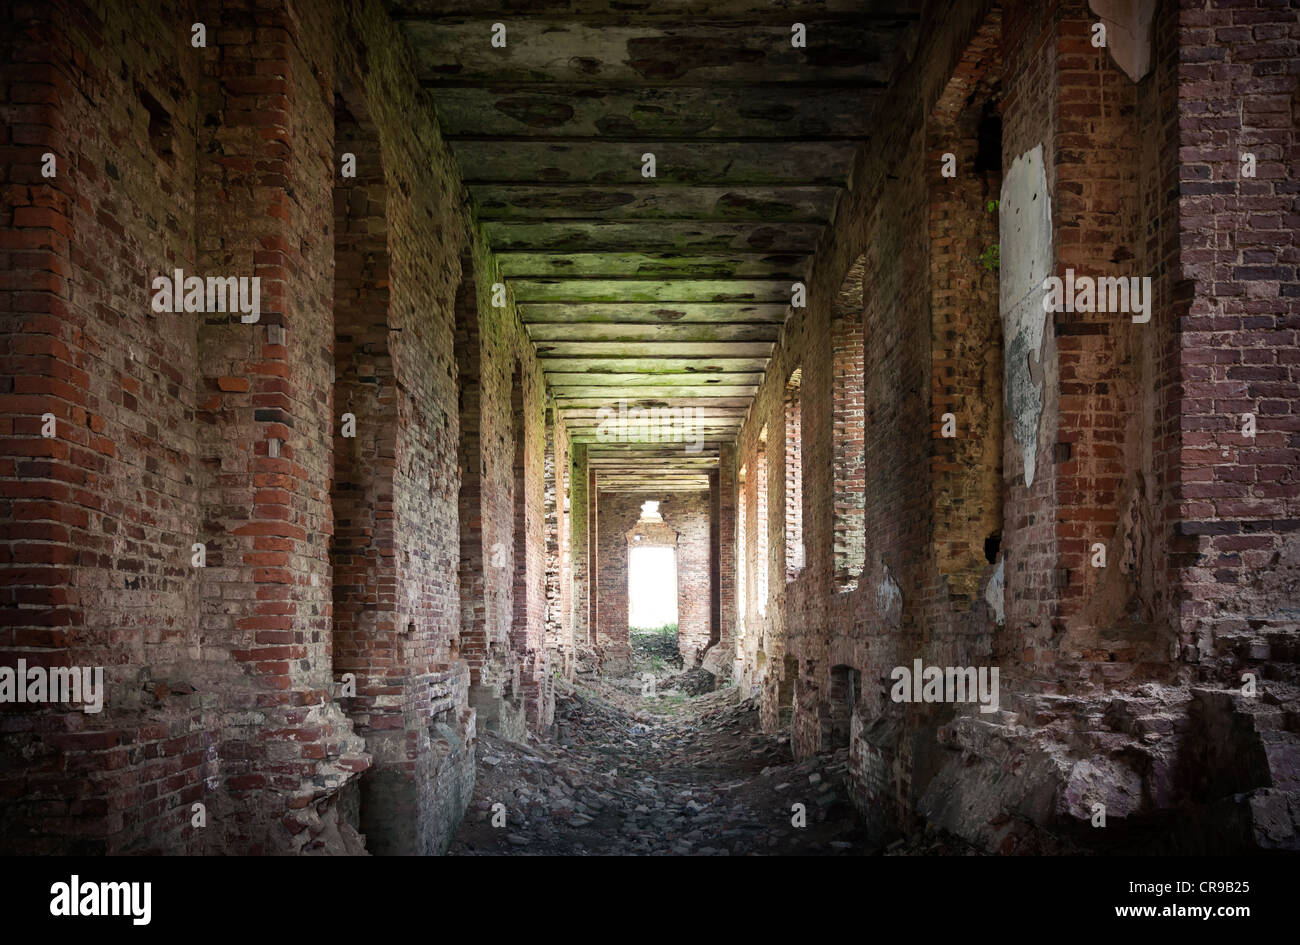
[(667, 291)]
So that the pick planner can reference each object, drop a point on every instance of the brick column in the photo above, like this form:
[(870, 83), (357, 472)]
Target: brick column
[(266, 427), (579, 557), (722, 653), (1237, 498)]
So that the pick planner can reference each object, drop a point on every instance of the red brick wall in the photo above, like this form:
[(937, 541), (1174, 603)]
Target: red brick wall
[(98, 520), (902, 606), (1114, 395), (420, 729), (365, 638), (1108, 393), (1099, 435), (847, 412), (472, 643), (222, 680), (559, 626), (966, 328), (1237, 351), (1030, 91), (503, 557)]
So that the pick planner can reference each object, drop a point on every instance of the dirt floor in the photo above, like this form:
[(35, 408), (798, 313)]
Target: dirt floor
[(662, 772)]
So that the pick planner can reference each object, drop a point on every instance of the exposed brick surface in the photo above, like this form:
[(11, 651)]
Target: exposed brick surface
[(502, 562), (325, 554), (458, 553), (1235, 350)]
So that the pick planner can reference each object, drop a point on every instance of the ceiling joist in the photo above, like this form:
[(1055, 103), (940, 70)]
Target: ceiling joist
[(652, 180)]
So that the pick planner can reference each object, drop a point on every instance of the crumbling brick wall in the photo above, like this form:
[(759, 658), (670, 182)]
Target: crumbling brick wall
[(1237, 497), (503, 560), (580, 525), (964, 138), (1094, 437), (559, 621), (182, 428), (99, 519), (849, 432)]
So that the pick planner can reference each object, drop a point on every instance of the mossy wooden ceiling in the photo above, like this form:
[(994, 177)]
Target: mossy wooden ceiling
[(668, 291)]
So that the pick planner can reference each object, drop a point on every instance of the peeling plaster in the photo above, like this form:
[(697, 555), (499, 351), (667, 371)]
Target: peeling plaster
[(1128, 33), (995, 593), (1025, 235), (889, 598)]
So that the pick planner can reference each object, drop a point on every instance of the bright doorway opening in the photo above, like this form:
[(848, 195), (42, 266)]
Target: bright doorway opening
[(651, 572), (652, 587)]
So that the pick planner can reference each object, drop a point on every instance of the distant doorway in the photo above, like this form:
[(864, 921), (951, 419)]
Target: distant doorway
[(651, 572), (652, 588)]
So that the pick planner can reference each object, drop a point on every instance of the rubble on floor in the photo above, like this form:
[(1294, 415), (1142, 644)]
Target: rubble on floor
[(653, 649), (657, 775)]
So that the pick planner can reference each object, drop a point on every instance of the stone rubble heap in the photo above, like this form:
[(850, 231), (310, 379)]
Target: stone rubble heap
[(632, 775)]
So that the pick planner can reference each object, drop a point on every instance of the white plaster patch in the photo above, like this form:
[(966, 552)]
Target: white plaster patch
[(1128, 33), (889, 598), (994, 594), (1025, 238)]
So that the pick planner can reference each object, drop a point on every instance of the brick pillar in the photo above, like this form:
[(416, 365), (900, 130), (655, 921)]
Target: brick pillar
[(722, 653), (579, 557), (1237, 350), (99, 518), (1107, 395), (265, 428), (553, 501), (966, 333)]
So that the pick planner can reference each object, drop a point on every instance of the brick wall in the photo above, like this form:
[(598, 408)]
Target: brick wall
[(579, 555), (847, 418), (421, 730), (966, 330), (99, 519), (324, 554), (1030, 91), (1236, 350), (818, 632), (559, 625), (793, 474), (503, 555), (720, 658), (1132, 429)]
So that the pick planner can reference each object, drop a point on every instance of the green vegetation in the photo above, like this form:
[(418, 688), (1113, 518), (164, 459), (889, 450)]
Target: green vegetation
[(667, 630), (991, 258)]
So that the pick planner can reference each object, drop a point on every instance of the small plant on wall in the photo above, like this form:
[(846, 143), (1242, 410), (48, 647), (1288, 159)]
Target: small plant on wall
[(991, 258)]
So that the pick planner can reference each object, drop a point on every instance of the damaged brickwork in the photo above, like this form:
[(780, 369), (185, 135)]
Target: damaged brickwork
[(1115, 679), (320, 552), (325, 554)]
